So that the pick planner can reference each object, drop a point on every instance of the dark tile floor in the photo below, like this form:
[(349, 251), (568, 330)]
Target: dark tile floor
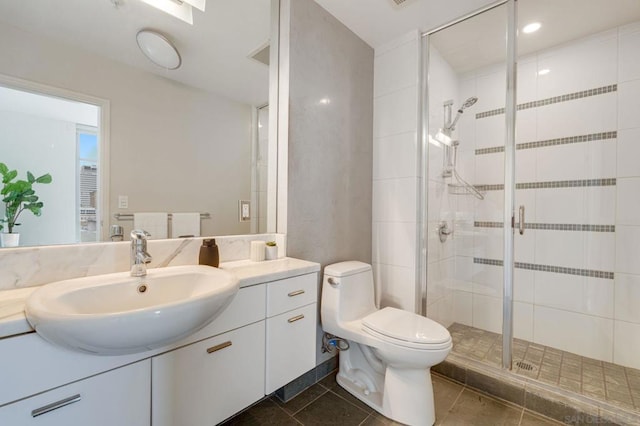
[(596, 379), (326, 403)]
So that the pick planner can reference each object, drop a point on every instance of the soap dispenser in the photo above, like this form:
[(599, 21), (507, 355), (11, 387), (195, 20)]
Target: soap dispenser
[(209, 254)]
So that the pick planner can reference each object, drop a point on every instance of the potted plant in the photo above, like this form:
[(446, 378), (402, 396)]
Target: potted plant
[(18, 195), (271, 250)]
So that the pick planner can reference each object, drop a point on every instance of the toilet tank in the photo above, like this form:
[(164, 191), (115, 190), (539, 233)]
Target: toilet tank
[(352, 295)]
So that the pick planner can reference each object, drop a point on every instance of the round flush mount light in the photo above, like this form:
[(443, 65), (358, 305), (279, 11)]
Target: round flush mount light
[(531, 28), (159, 49)]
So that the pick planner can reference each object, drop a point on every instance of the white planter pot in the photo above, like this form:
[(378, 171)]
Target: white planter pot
[(9, 240), (271, 252)]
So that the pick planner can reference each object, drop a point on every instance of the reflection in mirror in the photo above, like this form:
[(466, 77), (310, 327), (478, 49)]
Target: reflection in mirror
[(182, 141), (44, 134)]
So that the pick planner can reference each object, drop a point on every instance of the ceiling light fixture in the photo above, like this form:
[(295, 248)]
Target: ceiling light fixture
[(181, 9), (544, 71), (159, 49), (531, 28)]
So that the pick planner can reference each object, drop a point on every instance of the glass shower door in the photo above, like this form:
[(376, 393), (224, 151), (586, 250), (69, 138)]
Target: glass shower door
[(466, 104)]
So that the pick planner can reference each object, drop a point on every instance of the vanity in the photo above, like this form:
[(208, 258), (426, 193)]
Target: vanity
[(262, 340)]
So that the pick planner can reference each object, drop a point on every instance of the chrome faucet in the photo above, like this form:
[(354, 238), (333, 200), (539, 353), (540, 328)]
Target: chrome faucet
[(139, 256)]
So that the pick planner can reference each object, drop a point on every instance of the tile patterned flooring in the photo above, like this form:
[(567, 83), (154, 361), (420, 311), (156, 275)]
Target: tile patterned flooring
[(326, 403), (592, 378)]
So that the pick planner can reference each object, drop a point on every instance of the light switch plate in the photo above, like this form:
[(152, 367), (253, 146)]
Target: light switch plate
[(123, 201), (244, 210)]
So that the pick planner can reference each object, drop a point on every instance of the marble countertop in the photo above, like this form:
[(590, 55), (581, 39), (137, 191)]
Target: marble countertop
[(13, 320)]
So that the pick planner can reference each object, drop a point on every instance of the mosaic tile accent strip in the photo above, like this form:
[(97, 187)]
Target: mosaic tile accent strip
[(549, 268), (552, 184), (554, 100), (596, 379), (567, 183), (551, 142), (553, 226)]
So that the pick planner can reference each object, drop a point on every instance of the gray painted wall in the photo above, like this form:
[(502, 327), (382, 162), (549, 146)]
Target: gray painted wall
[(330, 141)]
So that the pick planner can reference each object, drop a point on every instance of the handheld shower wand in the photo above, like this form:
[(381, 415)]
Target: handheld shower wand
[(468, 103)]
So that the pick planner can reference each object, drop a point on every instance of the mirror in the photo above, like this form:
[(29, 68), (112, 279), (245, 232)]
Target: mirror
[(190, 140)]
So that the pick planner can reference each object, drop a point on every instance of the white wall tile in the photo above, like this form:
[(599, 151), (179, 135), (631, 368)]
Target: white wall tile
[(488, 243), (627, 298), (526, 125), (489, 169), (491, 208), (598, 207), (591, 296), (490, 131), (590, 205), (627, 249), (487, 313), (627, 344), (580, 334), (395, 156), (525, 245), (523, 321), (527, 80), (441, 311), (463, 274), (491, 90), (394, 243), (587, 64), (487, 280), (593, 114), (628, 201), (629, 104), (396, 69), (463, 307), (526, 165), (628, 152), (395, 286), (395, 113), (560, 248), (394, 200), (628, 53), (523, 285)]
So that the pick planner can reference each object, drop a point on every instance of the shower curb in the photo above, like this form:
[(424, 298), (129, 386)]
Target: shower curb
[(558, 404)]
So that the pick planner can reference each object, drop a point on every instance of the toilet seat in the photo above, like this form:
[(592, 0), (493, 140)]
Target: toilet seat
[(406, 329)]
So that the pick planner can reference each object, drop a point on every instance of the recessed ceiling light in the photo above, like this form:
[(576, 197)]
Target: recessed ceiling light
[(544, 71), (531, 28)]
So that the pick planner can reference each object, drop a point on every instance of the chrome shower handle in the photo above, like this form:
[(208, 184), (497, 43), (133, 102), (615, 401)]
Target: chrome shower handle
[(521, 220)]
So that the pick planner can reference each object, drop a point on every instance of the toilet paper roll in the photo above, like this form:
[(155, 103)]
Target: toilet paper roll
[(257, 251)]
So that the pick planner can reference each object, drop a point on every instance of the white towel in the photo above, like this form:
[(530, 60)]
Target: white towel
[(154, 223), (185, 225)]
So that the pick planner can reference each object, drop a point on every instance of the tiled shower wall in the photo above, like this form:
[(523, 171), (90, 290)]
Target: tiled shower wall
[(395, 172), (577, 277)]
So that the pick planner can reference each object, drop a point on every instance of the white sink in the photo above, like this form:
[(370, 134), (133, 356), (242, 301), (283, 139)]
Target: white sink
[(117, 314)]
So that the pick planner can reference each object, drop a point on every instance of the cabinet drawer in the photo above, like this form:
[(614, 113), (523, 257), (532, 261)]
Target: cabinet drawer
[(206, 382), (118, 397), (291, 293), (291, 346)]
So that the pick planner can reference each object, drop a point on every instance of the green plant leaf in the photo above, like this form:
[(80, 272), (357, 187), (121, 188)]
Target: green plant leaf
[(30, 177), (3, 168), (45, 179)]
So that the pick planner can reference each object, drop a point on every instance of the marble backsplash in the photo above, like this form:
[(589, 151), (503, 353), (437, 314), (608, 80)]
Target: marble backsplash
[(34, 266)]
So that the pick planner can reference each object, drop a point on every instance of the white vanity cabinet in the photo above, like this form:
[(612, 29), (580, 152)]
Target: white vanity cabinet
[(206, 382), (291, 329), (265, 338), (117, 397)]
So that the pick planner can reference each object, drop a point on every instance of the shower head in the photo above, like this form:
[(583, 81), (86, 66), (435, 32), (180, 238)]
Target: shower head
[(468, 103)]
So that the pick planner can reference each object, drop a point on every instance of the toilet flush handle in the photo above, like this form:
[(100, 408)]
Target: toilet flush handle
[(332, 281)]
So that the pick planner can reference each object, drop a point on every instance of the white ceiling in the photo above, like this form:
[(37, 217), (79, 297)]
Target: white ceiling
[(480, 41), (214, 50), (380, 21)]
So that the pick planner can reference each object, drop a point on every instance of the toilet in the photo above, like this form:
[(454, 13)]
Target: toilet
[(391, 351)]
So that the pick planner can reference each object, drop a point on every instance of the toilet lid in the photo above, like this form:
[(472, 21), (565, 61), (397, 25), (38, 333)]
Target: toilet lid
[(406, 326)]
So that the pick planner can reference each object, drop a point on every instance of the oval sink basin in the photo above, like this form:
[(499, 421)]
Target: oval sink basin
[(116, 314)]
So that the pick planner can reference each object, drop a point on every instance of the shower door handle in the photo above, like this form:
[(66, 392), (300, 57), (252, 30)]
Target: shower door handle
[(521, 220)]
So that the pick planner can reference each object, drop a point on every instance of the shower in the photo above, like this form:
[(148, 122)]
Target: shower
[(452, 125), (458, 186)]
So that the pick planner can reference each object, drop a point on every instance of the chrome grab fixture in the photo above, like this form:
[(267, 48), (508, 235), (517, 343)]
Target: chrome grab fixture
[(521, 219), (444, 231), (139, 256)]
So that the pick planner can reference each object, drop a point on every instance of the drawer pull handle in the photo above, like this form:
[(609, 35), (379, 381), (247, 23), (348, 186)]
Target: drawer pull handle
[(55, 405), (216, 348), (296, 318), (296, 293)]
